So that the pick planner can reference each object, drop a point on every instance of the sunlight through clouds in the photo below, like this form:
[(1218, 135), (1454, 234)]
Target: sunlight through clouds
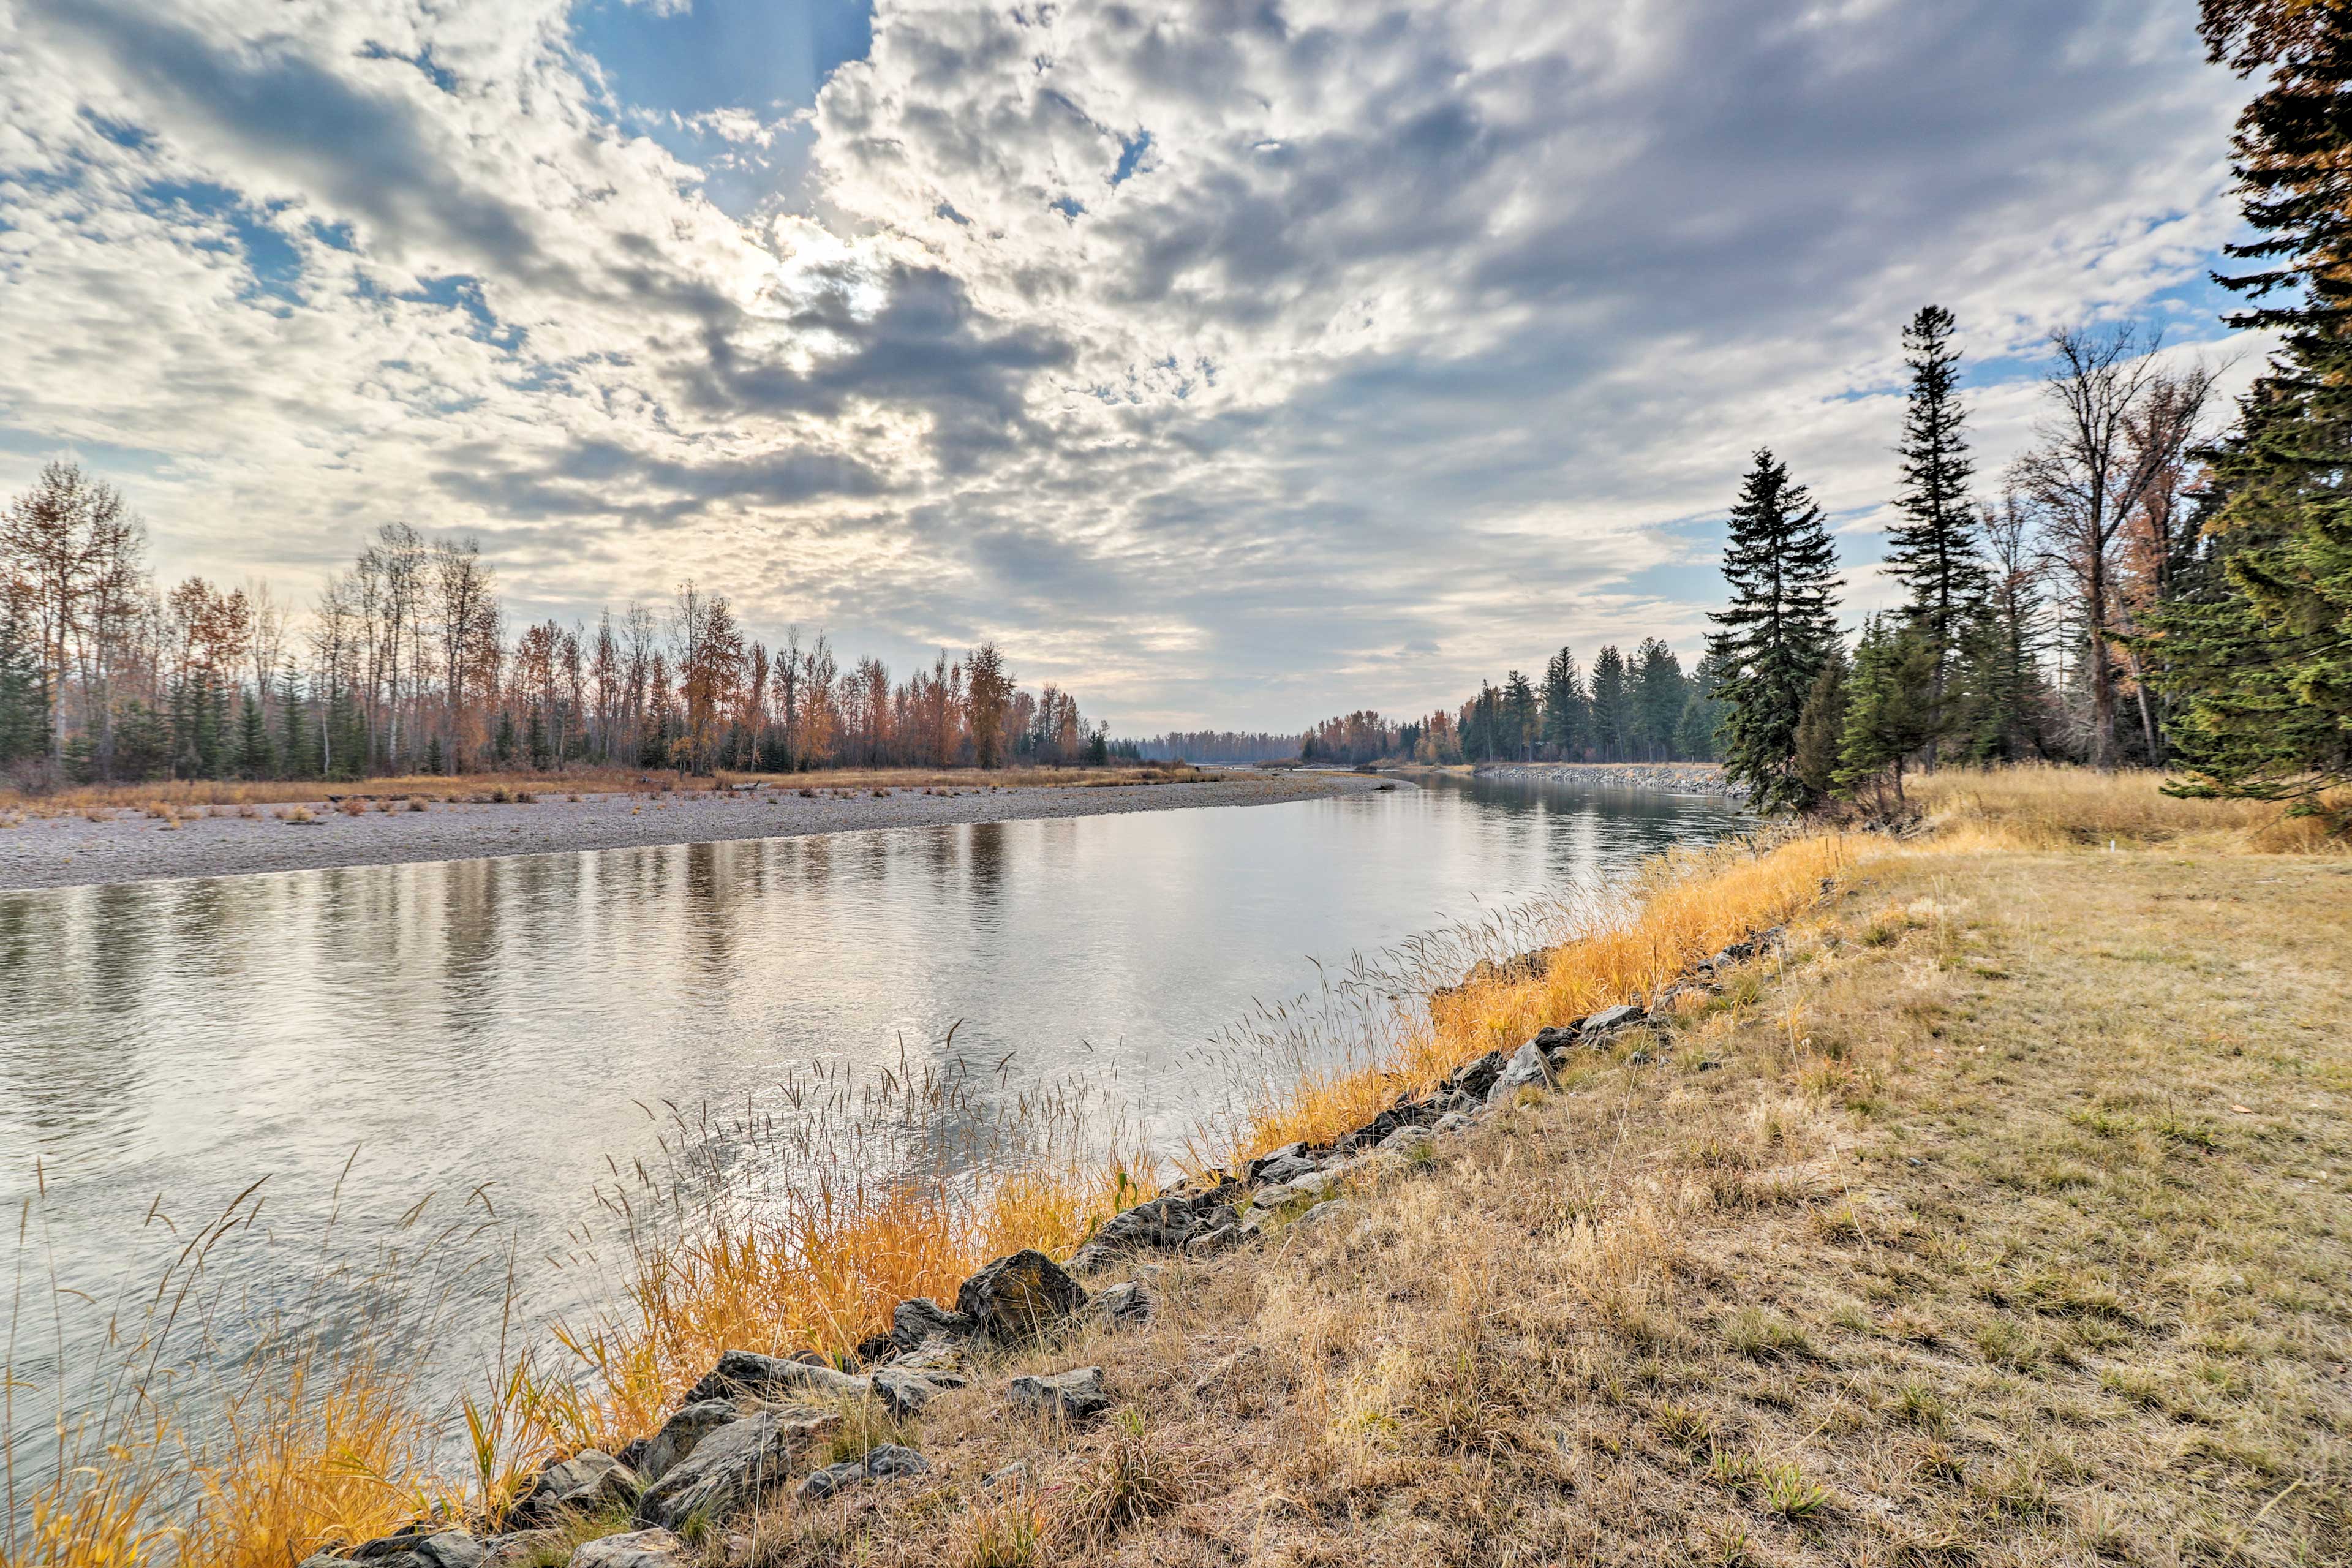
[(1205, 353)]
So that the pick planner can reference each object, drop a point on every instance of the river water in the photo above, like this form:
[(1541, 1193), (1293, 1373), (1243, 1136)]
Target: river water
[(500, 1035)]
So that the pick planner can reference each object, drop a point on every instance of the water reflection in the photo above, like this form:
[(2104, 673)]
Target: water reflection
[(505, 1026)]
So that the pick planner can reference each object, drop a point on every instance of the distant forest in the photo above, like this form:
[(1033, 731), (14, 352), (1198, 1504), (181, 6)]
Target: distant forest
[(1638, 709), (406, 664)]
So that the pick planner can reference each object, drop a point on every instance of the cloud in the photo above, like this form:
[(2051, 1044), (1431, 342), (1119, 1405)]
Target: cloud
[(1228, 362)]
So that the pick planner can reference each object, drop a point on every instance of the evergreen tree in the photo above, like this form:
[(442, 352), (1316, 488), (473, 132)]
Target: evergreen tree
[(1777, 629), (1820, 729), (1519, 714), (1660, 692), (253, 758), (1890, 710), (1610, 705), (296, 757), (434, 763), (1564, 715), (2261, 663), (502, 743), (1932, 550), (23, 690), (535, 741)]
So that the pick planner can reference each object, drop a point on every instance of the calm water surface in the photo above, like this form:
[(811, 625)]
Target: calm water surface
[(501, 1028)]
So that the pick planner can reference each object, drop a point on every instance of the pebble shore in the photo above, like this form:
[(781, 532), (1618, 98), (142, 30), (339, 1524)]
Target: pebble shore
[(72, 851)]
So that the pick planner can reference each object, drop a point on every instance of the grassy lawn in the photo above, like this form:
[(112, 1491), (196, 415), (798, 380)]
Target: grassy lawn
[(2001, 1219)]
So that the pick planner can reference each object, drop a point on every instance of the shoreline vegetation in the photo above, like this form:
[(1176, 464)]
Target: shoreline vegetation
[(1820, 1091)]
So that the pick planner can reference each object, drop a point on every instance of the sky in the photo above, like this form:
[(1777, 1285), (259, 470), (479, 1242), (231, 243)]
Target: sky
[(1229, 362)]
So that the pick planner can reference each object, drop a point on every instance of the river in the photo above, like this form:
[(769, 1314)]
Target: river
[(501, 1034)]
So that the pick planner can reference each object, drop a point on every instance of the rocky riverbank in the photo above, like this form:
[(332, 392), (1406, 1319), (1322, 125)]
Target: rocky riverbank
[(1662, 778), (1813, 1263), (120, 846), (759, 1430)]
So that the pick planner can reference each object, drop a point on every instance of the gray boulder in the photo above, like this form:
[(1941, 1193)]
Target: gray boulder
[(748, 1374), (1453, 1121), (1074, 1396), (418, 1546), (1526, 1068), (1019, 1297), (1474, 1078), (1288, 1168), (639, 1549), (1256, 1169), (512, 1550), (679, 1434), (1408, 1141), (884, 1462), (735, 1466), (1213, 1241), (904, 1391), (581, 1484), (920, 1319), (1126, 1304), (1616, 1018)]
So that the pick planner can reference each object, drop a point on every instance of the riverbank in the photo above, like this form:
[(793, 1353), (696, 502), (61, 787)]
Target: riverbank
[(1663, 778), (110, 845), (1894, 1235)]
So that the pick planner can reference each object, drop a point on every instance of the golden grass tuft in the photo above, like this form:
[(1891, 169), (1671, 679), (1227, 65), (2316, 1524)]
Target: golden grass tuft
[(820, 1273)]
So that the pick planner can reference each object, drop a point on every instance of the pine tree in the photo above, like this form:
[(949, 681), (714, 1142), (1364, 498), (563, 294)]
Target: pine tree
[(253, 759), (1777, 629), (1933, 550), (1820, 729), (296, 758), (23, 690), (1891, 707), (1564, 715), (1610, 705), (1660, 692), (1519, 716), (2261, 663)]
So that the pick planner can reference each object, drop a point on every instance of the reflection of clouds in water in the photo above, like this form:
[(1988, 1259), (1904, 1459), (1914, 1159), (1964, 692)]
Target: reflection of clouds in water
[(541, 1028)]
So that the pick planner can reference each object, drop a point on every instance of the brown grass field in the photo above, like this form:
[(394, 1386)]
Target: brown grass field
[(1997, 1219)]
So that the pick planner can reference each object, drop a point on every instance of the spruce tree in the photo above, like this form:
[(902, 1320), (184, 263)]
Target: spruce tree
[(1610, 705), (1777, 629), (24, 690), (1890, 710), (295, 756), (1932, 550), (1519, 710), (1821, 729), (2261, 662), (1660, 693), (1564, 716), (253, 759)]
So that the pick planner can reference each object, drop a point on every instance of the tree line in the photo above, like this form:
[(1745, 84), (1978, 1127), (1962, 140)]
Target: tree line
[(2022, 629), (2145, 589), (1641, 706), (405, 664)]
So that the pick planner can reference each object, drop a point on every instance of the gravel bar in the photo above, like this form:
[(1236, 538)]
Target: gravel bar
[(72, 851)]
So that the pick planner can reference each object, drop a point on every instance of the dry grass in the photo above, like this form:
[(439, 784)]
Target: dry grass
[(1920, 1250), (156, 798), (2048, 807), (820, 1271), (1685, 908)]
